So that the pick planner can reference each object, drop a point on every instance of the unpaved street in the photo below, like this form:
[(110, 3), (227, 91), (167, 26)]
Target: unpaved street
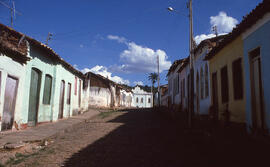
[(145, 139)]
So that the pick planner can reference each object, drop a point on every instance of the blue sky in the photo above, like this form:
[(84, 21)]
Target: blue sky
[(120, 39)]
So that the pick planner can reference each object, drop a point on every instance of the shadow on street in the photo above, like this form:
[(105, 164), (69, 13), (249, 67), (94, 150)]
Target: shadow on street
[(153, 139)]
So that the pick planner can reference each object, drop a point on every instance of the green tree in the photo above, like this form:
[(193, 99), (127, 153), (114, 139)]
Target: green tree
[(153, 78)]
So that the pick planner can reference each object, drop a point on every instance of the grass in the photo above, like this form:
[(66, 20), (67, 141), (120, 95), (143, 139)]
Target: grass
[(106, 114), (19, 157)]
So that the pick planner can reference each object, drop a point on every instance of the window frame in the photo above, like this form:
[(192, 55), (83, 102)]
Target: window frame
[(238, 79), (45, 90)]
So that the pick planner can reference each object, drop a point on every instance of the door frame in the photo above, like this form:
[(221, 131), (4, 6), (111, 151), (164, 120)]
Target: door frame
[(38, 94), (253, 55), (62, 100)]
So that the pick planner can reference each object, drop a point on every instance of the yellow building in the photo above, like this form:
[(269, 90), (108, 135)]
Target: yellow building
[(227, 80)]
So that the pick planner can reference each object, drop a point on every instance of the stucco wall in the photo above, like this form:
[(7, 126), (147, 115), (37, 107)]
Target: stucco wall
[(204, 104), (226, 56), (140, 94), (15, 69), (259, 38), (100, 97), (39, 61)]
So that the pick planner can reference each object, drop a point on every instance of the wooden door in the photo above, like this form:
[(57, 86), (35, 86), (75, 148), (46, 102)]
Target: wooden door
[(9, 103), (61, 100), (215, 96), (34, 97), (69, 98), (80, 93), (258, 119)]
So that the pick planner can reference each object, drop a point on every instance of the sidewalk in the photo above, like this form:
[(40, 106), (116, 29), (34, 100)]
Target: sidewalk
[(44, 131)]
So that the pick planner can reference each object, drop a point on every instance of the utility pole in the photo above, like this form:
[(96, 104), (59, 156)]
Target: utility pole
[(49, 37), (158, 81), (191, 58), (214, 29)]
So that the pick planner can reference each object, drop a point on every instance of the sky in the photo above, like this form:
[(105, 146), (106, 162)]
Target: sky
[(121, 39)]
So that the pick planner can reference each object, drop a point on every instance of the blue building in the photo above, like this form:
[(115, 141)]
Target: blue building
[(256, 41)]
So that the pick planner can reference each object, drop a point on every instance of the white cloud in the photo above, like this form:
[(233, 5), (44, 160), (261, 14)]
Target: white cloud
[(139, 59), (117, 38), (138, 83), (224, 24), (199, 38), (101, 70)]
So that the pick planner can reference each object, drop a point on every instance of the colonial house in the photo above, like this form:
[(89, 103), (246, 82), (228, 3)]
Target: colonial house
[(102, 91), (141, 98), (173, 84), (183, 72), (163, 95), (126, 96), (202, 101), (37, 85), (255, 33), (227, 79)]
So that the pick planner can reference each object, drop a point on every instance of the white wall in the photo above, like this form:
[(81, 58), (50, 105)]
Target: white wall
[(100, 97), (205, 102), (143, 98), (15, 69)]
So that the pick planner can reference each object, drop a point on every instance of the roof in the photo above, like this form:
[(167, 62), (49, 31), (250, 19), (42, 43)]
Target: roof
[(174, 66), (184, 64), (248, 21), (23, 54), (12, 45), (210, 42)]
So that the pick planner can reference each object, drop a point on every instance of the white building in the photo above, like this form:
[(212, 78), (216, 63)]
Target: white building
[(141, 98), (202, 97)]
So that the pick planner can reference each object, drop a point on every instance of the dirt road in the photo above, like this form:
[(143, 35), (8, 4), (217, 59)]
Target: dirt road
[(145, 139)]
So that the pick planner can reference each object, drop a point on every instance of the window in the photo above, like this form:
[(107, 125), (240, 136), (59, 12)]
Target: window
[(224, 85), (137, 100), (177, 84), (202, 83), (206, 84), (149, 100), (237, 79), (75, 86), (47, 90), (69, 93), (141, 100)]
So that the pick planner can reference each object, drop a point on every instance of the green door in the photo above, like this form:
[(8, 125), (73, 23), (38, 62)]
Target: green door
[(34, 97)]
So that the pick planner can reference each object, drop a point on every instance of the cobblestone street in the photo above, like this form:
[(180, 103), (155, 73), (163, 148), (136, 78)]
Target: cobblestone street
[(144, 138)]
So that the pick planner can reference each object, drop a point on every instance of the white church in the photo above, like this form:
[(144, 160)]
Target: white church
[(141, 98)]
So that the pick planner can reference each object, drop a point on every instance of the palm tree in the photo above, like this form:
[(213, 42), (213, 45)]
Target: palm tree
[(153, 78)]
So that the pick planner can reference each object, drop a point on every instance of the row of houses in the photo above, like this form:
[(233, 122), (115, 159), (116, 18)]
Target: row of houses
[(231, 83), (38, 86)]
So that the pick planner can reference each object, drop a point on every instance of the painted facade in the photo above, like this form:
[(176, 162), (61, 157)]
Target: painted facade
[(256, 63), (34, 78), (141, 98), (183, 79), (228, 106)]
